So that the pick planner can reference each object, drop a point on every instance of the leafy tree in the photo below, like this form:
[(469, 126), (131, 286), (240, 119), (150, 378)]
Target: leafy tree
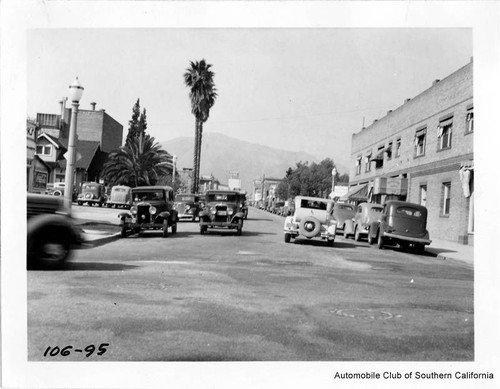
[(140, 162), (199, 79), (138, 123)]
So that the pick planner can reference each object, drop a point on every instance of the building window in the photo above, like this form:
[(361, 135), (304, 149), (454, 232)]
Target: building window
[(444, 134), (420, 136), (423, 195), (397, 152), (379, 159), (446, 193), (388, 151), (368, 163), (44, 150), (358, 165), (469, 121)]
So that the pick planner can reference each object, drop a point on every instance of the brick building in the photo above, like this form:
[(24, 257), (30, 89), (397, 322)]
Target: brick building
[(422, 152), (97, 135)]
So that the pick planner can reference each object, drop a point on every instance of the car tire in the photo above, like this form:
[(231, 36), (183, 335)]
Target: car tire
[(123, 232), (288, 238), (51, 249), (239, 229), (174, 228), (331, 242), (357, 235), (419, 248), (380, 240), (80, 203), (203, 229), (305, 227), (165, 228), (193, 219), (369, 238)]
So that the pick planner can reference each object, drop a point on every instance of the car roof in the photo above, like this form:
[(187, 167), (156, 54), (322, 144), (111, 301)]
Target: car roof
[(223, 191), (403, 203), (152, 187), (312, 198)]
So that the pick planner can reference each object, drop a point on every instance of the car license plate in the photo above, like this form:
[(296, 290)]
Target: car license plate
[(222, 213)]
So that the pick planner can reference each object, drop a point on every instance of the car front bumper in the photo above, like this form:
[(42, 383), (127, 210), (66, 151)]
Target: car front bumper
[(325, 233), (219, 224)]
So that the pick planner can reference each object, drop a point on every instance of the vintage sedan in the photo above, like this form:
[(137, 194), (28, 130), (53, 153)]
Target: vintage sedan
[(312, 218), (120, 196), (188, 206), (222, 210), (152, 209), (92, 193), (342, 212), (52, 234), (366, 213), (402, 223)]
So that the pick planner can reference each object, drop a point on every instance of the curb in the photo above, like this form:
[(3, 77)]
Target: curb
[(90, 243)]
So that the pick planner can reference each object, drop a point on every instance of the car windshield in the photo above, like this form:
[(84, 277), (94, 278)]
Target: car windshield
[(185, 198), (119, 190), (149, 196), (221, 197), (408, 211), (90, 187), (376, 209), (313, 204)]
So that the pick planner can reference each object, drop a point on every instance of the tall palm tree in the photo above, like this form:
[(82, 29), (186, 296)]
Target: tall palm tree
[(200, 79), (140, 162)]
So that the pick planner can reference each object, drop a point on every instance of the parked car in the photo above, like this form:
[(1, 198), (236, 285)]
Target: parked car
[(120, 196), (342, 212), (402, 223), (222, 210), (366, 213), (152, 209), (312, 218), (92, 193), (51, 232), (188, 206)]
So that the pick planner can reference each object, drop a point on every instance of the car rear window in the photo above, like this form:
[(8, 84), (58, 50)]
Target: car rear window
[(348, 207), (152, 195), (313, 204), (408, 211)]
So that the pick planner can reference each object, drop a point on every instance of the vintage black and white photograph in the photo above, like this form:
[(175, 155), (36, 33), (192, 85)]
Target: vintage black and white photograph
[(285, 201)]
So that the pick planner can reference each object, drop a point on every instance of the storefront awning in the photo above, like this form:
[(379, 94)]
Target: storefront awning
[(358, 193)]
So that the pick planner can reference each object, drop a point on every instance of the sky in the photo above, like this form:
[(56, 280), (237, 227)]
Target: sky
[(298, 89)]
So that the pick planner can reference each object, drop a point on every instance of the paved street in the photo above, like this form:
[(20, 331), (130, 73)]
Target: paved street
[(253, 297)]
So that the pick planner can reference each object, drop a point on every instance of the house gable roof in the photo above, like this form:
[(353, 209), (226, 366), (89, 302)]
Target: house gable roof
[(87, 150)]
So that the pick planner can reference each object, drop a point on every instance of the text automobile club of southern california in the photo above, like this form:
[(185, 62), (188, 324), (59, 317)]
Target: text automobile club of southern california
[(417, 375)]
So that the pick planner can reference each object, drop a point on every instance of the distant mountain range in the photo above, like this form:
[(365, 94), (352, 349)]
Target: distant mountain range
[(222, 154)]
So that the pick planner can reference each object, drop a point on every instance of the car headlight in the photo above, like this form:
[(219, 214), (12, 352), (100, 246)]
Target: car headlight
[(152, 210), (188, 207), (133, 210), (230, 211)]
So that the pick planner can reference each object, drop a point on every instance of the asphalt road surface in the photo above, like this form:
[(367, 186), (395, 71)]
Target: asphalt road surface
[(222, 297)]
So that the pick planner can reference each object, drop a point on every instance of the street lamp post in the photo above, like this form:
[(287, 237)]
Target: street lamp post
[(75, 94), (174, 160), (334, 176)]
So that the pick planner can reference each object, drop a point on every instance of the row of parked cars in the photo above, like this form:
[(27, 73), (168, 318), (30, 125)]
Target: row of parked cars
[(395, 222)]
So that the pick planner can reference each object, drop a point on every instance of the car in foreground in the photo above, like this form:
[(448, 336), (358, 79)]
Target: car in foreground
[(120, 196), (187, 206), (92, 193), (312, 219), (366, 213), (342, 212), (51, 232), (402, 223), (152, 209), (222, 210)]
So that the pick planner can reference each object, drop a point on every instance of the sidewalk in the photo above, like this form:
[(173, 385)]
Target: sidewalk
[(444, 250)]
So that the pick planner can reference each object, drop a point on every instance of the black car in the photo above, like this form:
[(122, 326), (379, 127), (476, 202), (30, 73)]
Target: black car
[(52, 234), (222, 210), (153, 208), (187, 206)]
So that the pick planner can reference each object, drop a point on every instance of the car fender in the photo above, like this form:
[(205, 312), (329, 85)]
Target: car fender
[(41, 222), (164, 215)]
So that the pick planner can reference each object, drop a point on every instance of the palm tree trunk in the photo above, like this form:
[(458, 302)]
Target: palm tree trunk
[(195, 158), (200, 133)]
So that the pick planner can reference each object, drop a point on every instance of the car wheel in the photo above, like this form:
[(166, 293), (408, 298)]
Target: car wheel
[(174, 228), (165, 228), (80, 203), (369, 238), (123, 232), (108, 205), (203, 229), (288, 238), (380, 240), (357, 235), (239, 229), (331, 242), (52, 249), (193, 218), (89, 203), (309, 227), (100, 204), (419, 248)]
